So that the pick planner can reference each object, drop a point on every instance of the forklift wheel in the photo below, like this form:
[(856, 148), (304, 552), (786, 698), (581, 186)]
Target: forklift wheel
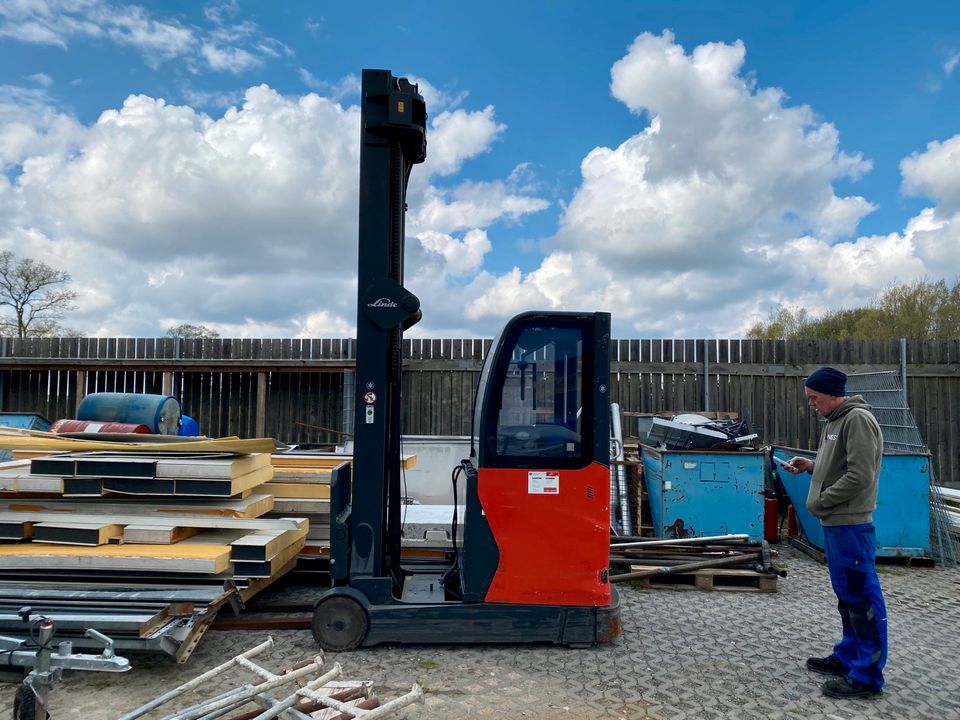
[(339, 623), (24, 703)]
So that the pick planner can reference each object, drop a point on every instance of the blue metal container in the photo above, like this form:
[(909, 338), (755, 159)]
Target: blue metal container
[(701, 492), (902, 517), (21, 421), (160, 413), (24, 421)]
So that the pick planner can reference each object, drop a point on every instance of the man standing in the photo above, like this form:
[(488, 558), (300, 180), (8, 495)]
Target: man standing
[(843, 494)]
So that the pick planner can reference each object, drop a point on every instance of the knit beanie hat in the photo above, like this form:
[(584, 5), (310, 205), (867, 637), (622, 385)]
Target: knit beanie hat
[(828, 380)]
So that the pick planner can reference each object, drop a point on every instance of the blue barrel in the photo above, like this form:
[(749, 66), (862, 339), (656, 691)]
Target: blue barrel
[(160, 413), (188, 427)]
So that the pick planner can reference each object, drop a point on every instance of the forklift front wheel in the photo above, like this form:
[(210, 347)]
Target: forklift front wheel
[(339, 623)]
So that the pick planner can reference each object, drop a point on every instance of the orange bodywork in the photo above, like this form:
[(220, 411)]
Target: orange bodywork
[(554, 541)]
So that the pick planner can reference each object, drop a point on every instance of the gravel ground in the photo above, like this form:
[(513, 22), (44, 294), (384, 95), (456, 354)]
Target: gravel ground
[(682, 655)]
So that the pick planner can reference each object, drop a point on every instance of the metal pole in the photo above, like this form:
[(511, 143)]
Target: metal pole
[(619, 472), (686, 567), (3, 353), (903, 370), (199, 680), (681, 541)]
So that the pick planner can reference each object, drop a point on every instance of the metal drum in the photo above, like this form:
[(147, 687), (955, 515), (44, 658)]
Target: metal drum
[(160, 413), (95, 426)]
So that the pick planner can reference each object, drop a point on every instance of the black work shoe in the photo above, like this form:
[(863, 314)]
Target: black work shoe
[(829, 665), (847, 688)]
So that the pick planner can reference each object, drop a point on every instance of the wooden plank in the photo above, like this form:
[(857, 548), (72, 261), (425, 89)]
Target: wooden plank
[(157, 534), (237, 445), (301, 506), (239, 525), (250, 507), (319, 491), (179, 558), (709, 579)]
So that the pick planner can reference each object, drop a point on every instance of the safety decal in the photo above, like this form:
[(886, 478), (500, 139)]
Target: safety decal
[(543, 482)]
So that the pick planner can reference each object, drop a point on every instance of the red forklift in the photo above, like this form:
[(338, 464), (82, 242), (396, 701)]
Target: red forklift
[(533, 562)]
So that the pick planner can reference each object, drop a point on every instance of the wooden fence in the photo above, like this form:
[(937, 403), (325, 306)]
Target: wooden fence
[(295, 390)]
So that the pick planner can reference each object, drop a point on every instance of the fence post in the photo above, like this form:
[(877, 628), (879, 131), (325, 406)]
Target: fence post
[(81, 390), (706, 376), (260, 426), (346, 425)]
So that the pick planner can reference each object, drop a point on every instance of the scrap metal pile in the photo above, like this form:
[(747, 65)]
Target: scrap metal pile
[(722, 562), (697, 432)]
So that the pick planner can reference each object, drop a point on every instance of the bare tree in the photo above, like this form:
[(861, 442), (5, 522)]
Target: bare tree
[(186, 330), (35, 293)]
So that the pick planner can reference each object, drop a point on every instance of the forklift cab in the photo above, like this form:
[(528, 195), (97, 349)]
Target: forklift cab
[(530, 400)]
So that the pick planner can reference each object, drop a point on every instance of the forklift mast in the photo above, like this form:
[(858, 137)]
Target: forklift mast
[(393, 120)]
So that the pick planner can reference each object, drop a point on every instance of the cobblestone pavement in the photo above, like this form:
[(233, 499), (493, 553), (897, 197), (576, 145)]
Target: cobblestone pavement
[(683, 655)]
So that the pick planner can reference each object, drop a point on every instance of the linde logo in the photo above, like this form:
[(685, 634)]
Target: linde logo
[(382, 303)]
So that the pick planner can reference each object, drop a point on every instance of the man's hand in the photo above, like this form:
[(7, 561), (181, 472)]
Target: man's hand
[(798, 464)]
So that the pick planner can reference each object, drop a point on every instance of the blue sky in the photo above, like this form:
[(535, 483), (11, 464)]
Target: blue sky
[(686, 166)]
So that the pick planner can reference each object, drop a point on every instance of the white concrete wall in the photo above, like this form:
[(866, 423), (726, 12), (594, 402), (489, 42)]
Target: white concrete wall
[(429, 482)]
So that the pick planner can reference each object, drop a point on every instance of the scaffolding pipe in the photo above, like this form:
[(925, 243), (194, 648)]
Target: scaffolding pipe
[(618, 471), (200, 679), (681, 541)]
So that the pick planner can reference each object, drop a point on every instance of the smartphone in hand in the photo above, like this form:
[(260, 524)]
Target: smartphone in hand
[(784, 464)]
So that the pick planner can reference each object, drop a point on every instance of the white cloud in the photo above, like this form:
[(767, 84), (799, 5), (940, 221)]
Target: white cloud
[(346, 87), (721, 206), (229, 59), (41, 79), (31, 126), (469, 205), (314, 26), (935, 173), (458, 135), (244, 222), (223, 46), (950, 64), (460, 257), (438, 100), (561, 278)]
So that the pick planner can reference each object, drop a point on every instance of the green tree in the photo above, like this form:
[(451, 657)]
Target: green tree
[(36, 294), (188, 331), (784, 322), (919, 310), (923, 309)]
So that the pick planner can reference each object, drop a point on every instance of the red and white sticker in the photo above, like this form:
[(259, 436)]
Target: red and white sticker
[(543, 482)]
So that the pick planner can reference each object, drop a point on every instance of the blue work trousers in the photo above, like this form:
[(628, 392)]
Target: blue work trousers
[(851, 559)]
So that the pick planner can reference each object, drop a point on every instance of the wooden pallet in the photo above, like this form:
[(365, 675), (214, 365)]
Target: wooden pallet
[(707, 579)]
